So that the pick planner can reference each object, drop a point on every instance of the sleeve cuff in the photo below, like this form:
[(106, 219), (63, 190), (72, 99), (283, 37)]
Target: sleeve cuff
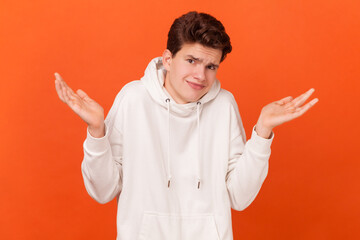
[(96, 144), (260, 144)]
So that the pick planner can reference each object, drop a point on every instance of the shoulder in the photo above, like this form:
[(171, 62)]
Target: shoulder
[(225, 101), (131, 91), (133, 87), (130, 94), (226, 97)]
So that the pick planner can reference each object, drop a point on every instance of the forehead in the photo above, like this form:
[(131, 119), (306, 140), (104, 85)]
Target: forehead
[(201, 52)]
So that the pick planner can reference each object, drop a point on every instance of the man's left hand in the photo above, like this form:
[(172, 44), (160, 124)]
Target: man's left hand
[(284, 110)]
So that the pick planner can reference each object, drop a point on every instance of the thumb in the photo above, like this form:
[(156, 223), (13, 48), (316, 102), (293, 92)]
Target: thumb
[(82, 94)]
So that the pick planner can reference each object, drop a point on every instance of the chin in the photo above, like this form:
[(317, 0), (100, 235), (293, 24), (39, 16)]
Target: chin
[(195, 99)]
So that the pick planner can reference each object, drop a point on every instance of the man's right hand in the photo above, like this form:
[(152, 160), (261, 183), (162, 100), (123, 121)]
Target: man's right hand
[(89, 110)]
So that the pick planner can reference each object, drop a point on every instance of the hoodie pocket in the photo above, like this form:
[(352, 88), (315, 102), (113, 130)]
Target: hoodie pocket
[(158, 226)]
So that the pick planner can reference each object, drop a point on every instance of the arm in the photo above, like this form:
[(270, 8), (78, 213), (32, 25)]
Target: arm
[(101, 166), (248, 164)]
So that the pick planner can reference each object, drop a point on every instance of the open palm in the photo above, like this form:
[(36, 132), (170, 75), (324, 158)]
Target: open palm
[(284, 110), (88, 110)]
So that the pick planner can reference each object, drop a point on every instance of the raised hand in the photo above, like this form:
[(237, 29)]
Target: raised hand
[(284, 110), (88, 110)]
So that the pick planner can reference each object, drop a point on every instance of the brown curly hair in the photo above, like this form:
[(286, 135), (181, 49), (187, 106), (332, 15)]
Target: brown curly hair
[(194, 27)]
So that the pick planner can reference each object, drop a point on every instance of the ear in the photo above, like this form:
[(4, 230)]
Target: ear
[(166, 59)]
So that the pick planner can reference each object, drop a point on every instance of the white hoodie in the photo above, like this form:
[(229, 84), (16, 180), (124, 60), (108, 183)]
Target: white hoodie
[(176, 169)]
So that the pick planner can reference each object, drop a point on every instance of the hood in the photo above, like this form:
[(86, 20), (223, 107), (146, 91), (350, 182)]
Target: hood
[(153, 80), (154, 83)]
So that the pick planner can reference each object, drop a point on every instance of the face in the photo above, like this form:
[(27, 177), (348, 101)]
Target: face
[(191, 73)]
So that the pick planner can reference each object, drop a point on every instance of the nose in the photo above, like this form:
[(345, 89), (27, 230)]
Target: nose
[(199, 73)]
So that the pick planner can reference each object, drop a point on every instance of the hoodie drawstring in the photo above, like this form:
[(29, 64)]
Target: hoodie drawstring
[(198, 147), (168, 157)]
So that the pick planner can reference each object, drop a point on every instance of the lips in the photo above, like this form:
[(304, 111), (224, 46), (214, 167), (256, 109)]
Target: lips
[(195, 85)]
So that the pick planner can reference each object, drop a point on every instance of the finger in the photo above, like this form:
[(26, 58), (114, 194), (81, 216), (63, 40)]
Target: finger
[(73, 96), (74, 100), (62, 82), (300, 111), (58, 77), (65, 94), (284, 100), (82, 94), (66, 86), (59, 90), (300, 100)]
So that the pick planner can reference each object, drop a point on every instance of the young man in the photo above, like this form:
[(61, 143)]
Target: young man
[(172, 148)]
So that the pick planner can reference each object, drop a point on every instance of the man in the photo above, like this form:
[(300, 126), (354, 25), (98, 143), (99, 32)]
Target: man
[(172, 148)]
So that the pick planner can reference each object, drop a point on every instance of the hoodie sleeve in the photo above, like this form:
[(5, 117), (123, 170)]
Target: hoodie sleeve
[(248, 164), (102, 164)]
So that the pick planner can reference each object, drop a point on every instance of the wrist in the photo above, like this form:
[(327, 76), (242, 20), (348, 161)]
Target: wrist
[(97, 131), (263, 131)]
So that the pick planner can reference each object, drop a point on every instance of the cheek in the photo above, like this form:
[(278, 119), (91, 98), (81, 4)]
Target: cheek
[(180, 73), (211, 77)]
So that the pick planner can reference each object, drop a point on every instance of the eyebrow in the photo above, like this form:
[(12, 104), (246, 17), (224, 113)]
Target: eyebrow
[(200, 60)]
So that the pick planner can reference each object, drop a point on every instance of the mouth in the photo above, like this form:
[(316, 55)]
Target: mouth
[(195, 85)]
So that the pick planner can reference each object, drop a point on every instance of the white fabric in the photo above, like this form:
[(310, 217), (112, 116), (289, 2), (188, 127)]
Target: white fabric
[(149, 140)]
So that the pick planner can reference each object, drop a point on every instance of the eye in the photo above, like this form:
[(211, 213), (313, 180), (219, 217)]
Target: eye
[(211, 67), (190, 60)]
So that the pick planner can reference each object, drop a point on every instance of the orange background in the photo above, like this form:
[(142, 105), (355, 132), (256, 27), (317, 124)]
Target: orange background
[(280, 48)]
